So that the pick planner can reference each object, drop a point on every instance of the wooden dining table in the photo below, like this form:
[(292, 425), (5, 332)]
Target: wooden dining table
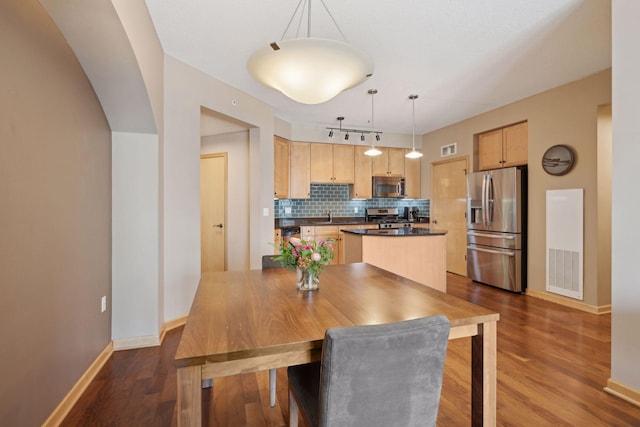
[(247, 321)]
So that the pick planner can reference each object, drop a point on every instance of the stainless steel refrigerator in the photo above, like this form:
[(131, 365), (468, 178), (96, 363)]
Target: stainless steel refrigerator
[(497, 228)]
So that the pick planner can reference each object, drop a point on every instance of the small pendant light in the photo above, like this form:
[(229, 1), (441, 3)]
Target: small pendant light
[(413, 154), (373, 151)]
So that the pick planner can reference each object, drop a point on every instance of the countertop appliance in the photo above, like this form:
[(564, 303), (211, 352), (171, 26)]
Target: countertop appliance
[(388, 187), (497, 228), (411, 213), (386, 218)]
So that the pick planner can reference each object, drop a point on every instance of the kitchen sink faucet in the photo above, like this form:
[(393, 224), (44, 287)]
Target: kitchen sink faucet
[(329, 216)]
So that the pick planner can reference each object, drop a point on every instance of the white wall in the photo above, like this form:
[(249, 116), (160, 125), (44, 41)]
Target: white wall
[(236, 145), (186, 91), (134, 240), (625, 338)]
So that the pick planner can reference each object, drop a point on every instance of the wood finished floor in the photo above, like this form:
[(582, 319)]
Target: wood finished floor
[(553, 363)]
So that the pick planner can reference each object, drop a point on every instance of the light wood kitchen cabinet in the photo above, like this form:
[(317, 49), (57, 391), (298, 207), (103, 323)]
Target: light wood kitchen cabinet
[(277, 240), (412, 177), (389, 163), (300, 168), (332, 163), (503, 147), (329, 232), (281, 168), (361, 188)]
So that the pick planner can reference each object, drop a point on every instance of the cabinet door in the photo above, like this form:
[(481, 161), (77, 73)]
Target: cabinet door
[(515, 145), (277, 240), (396, 161), (361, 188), (343, 164), (299, 182), (281, 168), (330, 232), (412, 177), (490, 150), (380, 164), (321, 163)]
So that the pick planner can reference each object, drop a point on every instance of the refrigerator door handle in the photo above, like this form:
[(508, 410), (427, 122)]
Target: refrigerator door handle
[(491, 251), (492, 236), (490, 195), (483, 203)]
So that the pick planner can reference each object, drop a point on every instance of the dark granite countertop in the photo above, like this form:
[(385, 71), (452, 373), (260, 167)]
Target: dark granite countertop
[(300, 222), (397, 232)]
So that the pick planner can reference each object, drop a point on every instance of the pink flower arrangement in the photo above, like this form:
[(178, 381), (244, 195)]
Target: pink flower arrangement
[(306, 255)]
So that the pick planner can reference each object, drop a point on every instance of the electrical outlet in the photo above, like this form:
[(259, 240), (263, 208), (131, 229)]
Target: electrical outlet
[(103, 303), (355, 209), (287, 210)]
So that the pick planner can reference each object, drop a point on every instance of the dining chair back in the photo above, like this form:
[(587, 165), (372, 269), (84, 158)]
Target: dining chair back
[(268, 262), (373, 375)]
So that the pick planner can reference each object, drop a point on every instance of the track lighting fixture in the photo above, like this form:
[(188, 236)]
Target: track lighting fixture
[(362, 132)]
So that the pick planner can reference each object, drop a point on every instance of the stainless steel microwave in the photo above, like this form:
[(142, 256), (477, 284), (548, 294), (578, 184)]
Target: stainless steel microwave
[(388, 186)]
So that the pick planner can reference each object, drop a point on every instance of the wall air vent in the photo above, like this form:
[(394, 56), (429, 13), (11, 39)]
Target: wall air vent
[(565, 242)]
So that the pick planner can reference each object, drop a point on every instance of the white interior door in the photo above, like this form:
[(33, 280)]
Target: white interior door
[(213, 211)]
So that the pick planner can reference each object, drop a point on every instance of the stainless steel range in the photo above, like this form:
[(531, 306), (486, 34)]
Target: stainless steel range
[(387, 218)]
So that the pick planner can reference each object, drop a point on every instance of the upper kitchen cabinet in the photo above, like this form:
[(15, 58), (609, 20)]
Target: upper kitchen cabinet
[(300, 168), (503, 147), (281, 168), (332, 163), (412, 177), (361, 188), (389, 163)]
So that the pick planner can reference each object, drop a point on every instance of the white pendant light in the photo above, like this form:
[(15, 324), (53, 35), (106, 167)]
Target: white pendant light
[(373, 151), (413, 154), (310, 70)]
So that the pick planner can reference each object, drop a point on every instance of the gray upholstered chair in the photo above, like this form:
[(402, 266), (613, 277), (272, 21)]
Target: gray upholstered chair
[(268, 262), (374, 375)]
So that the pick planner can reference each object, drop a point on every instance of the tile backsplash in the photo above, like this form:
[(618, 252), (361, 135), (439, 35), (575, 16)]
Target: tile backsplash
[(335, 198)]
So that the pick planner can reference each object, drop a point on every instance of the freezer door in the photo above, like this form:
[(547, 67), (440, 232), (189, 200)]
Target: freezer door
[(495, 200), (497, 267), (490, 238)]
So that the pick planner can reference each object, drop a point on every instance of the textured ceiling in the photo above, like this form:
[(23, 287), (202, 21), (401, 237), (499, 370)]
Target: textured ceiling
[(462, 57)]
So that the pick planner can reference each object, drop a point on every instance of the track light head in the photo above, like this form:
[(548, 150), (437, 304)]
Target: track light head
[(331, 133), (346, 137)]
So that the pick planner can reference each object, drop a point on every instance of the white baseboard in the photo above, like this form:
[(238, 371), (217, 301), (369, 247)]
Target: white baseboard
[(136, 342), (568, 302)]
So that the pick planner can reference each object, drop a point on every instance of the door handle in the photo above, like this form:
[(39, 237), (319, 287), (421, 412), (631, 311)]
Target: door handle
[(491, 251), (218, 225), (491, 236), (435, 221)]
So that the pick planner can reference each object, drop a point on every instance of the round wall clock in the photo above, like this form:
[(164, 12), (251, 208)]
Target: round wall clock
[(558, 160)]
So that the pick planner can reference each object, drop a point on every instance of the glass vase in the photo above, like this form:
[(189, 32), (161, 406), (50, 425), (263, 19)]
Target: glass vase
[(307, 280)]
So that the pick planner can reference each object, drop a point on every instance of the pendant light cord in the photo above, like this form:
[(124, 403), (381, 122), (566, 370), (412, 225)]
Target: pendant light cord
[(307, 4)]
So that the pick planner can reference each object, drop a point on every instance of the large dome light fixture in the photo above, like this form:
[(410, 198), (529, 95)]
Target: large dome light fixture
[(310, 70), (413, 154)]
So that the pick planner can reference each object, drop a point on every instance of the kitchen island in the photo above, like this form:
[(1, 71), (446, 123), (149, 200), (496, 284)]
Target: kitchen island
[(415, 253)]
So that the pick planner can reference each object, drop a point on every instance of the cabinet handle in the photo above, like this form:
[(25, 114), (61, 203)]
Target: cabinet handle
[(218, 225)]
